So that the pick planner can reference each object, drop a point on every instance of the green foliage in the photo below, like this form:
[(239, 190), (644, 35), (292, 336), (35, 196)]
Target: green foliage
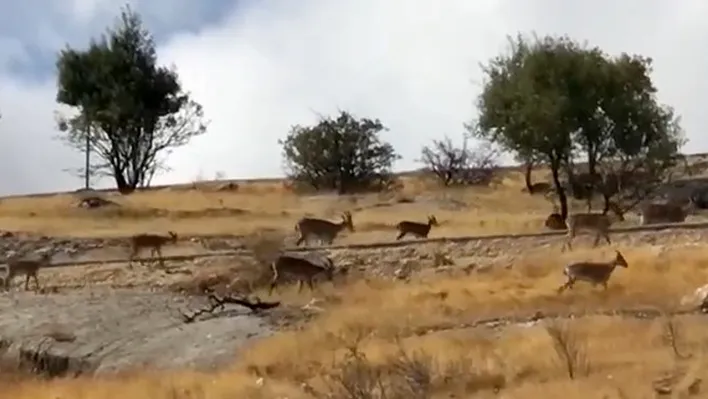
[(553, 100), (136, 110), (342, 153)]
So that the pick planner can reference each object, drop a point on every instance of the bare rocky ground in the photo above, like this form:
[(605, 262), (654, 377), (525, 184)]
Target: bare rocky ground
[(106, 318), (107, 330)]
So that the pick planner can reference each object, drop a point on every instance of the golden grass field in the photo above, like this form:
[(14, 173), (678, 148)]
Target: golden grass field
[(253, 206), (413, 336), (204, 209), (614, 357)]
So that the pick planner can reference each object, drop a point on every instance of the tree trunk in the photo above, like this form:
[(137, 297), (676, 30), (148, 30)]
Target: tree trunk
[(122, 185), (592, 166), (606, 206), (555, 166), (527, 177)]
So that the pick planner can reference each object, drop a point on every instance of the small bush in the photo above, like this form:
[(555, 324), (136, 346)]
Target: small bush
[(570, 348)]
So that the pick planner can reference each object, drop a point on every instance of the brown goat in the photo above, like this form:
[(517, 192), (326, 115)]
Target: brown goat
[(300, 268), (153, 241), (325, 230), (595, 223), (416, 229), (27, 266), (592, 272)]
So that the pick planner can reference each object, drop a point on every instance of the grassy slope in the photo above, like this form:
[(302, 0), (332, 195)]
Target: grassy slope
[(615, 357), (379, 318)]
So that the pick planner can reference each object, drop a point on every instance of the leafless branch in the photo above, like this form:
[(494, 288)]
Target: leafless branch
[(217, 303), (453, 165)]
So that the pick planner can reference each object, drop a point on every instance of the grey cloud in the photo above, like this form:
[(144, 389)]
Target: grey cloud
[(31, 34)]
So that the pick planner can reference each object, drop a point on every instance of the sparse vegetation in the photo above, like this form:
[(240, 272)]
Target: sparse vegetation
[(441, 319), (345, 349), (154, 242)]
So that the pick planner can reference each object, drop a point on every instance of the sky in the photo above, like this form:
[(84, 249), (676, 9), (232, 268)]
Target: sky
[(260, 66)]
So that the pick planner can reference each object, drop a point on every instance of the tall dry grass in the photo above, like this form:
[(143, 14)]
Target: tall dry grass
[(413, 339), (268, 205)]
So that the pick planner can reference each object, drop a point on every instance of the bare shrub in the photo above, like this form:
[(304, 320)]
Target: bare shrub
[(466, 374), (454, 166), (672, 336), (265, 245), (405, 375), (411, 375), (570, 348), (683, 380), (201, 283), (355, 377), (242, 276)]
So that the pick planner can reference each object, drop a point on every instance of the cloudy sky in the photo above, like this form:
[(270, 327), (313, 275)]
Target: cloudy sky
[(260, 66)]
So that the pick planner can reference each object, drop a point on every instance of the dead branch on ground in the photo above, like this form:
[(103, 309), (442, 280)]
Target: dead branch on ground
[(217, 303)]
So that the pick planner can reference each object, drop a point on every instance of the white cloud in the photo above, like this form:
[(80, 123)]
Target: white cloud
[(414, 64), (407, 63), (31, 159)]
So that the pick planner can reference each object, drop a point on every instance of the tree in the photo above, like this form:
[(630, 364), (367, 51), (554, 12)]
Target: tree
[(550, 99), (460, 165), (638, 140), (131, 112), (521, 107), (629, 141), (342, 153)]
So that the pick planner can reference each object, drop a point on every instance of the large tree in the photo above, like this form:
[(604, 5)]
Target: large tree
[(131, 112), (342, 153), (638, 140), (553, 100)]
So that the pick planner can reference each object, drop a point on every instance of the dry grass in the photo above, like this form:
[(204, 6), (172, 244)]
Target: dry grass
[(377, 339), (409, 340), (258, 205), (240, 208)]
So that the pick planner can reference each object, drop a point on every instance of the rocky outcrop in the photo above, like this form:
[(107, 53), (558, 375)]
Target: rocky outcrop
[(111, 330)]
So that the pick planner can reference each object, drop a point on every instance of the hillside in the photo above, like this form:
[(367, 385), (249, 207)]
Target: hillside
[(431, 318)]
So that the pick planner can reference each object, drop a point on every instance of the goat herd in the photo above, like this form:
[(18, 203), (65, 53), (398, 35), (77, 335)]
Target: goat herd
[(305, 270)]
